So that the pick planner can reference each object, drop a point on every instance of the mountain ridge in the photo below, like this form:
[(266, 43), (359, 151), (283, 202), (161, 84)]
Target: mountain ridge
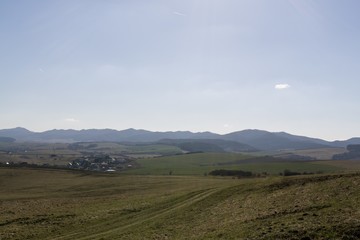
[(258, 139)]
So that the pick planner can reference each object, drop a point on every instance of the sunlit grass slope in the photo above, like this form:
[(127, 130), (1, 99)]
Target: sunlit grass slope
[(45, 204)]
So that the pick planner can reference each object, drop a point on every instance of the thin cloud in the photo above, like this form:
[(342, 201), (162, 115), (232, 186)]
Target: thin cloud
[(282, 86), (306, 8), (179, 14), (71, 120)]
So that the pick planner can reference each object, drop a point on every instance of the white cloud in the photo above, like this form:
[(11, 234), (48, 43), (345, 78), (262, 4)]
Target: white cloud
[(71, 120), (226, 125), (282, 86)]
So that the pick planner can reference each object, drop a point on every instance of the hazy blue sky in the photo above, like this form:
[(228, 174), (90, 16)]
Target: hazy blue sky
[(198, 65)]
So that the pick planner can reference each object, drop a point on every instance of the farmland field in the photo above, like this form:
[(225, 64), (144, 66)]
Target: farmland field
[(62, 153), (319, 153), (202, 163)]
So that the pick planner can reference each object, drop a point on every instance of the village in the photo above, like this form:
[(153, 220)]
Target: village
[(102, 163)]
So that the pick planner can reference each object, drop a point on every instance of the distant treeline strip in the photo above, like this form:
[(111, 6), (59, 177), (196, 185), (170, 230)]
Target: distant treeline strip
[(243, 174), (352, 154), (233, 173)]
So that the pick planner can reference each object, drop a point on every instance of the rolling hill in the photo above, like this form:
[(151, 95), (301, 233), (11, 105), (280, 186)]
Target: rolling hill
[(275, 141), (208, 145), (100, 206)]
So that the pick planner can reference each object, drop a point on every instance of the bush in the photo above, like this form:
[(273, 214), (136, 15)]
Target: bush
[(290, 173)]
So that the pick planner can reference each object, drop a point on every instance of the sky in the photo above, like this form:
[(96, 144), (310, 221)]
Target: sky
[(169, 65)]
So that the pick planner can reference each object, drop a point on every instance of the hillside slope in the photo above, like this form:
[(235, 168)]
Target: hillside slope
[(208, 145), (275, 141), (102, 206)]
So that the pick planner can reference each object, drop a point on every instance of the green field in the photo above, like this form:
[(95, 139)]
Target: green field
[(201, 163), (63, 204)]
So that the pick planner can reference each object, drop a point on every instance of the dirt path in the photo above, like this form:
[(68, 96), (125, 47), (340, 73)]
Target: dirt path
[(112, 226)]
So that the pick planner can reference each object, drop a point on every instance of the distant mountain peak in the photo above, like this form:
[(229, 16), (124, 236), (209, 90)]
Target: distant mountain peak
[(19, 129)]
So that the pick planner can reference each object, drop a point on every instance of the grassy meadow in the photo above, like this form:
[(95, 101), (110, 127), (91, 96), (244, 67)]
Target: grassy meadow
[(63, 204)]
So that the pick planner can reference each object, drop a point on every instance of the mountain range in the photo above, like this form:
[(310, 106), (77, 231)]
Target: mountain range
[(246, 140)]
